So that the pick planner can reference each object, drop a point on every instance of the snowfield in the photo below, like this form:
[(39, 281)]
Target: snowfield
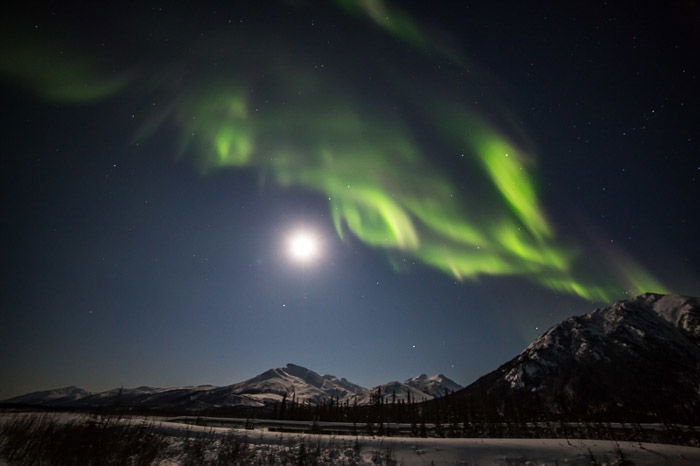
[(425, 451), (267, 447)]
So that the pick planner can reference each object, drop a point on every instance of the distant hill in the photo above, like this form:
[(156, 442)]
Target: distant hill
[(54, 397), (292, 382), (417, 389)]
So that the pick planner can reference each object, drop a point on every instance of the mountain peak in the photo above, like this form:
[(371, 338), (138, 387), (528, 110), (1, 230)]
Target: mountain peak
[(307, 375), (434, 385), (681, 311), (292, 366)]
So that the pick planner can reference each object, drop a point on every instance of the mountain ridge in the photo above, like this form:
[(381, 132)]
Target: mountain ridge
[(634, 360), (289, 382)]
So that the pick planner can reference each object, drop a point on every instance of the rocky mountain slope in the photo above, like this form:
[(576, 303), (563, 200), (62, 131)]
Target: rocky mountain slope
[(636, 359)]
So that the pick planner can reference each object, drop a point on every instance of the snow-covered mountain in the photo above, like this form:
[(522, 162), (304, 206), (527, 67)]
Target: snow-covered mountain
[(139, 396), (638, 358), (145, 396), (55, 397), (395, 391), (417, 389), (292, 382), (434, 385)]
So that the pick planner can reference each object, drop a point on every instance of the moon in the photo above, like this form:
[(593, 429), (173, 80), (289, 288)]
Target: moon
[(303, 246)]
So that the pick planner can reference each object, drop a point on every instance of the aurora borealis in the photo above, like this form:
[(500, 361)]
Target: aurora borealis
[(396, 120)]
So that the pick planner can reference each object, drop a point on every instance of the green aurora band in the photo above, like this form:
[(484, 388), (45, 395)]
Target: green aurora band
[(382, 188), (57, 74), (379, 176)]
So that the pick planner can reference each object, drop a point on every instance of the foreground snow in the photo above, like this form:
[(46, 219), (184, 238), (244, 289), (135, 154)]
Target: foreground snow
[(425, 451), (265, 447)]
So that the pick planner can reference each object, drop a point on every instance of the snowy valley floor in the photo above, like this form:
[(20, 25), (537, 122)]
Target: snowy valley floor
[(35, 438)]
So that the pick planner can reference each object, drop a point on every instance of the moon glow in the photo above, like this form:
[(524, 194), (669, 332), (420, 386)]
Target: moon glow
[(303, 246)]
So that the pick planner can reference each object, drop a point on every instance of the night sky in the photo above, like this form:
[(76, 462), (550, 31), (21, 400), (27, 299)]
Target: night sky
[(470, 173)]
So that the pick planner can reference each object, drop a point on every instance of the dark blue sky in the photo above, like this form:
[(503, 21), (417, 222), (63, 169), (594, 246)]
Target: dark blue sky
[(123, 265)]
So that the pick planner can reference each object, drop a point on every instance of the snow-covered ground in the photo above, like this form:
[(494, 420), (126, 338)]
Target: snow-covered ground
[(278, 448), (425, 451)]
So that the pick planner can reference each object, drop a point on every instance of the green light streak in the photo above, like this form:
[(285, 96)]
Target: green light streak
[(57, 75), (589, 292), (220, 123), (392, 20), (505, 166)]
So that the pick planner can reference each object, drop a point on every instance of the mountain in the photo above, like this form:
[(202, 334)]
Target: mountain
[(292, 382), (395, 391), (144, 397), (54, 397), (434, 385), (637, 359), (75, 397), (417, 389)]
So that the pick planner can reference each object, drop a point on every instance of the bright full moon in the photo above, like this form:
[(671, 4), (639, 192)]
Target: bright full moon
[(303, 246)]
